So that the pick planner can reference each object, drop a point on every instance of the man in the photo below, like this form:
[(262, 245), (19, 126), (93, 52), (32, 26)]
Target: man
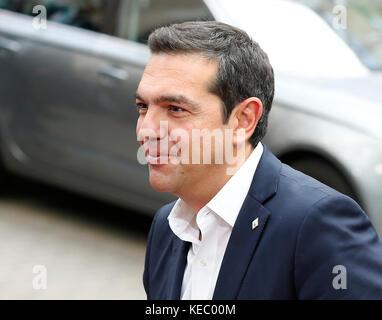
[(245, 227)]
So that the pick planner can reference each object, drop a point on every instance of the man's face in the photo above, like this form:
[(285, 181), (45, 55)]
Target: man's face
[(174, 90)]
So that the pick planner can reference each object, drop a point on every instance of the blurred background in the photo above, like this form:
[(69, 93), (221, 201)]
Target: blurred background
[(76, 205)]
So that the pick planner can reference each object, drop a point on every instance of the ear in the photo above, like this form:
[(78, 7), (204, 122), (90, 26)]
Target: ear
[(245, 118)]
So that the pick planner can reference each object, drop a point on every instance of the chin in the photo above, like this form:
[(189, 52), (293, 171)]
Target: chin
[(161, 187), (161, 182)]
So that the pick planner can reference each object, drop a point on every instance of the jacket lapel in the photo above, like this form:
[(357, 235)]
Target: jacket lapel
[(178, 264), (240, 249), (244, 238)]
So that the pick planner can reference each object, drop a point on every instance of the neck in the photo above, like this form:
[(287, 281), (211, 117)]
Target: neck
[(197, 196)]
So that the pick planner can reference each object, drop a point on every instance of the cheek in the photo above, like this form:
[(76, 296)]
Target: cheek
[(179, 141), (187, 138)]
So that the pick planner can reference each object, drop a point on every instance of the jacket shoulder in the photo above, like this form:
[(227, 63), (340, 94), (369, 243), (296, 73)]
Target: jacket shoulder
[(305, 191), (163, 212), (160, 228), (331, 231)]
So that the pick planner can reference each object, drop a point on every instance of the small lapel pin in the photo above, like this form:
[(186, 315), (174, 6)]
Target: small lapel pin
[(255, 223)]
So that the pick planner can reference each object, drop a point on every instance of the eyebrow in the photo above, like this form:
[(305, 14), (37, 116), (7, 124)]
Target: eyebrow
[(181, 99)]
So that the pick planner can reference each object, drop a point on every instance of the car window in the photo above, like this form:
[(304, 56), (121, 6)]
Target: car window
[(86, 14), (296, 39), (363, 30), (137, 18), (13, 5)]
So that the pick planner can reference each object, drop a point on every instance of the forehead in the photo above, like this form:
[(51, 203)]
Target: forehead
[(180, 73)]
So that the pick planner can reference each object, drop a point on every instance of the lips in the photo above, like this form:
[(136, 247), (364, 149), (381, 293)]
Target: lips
[(159, 159), (154, 154)]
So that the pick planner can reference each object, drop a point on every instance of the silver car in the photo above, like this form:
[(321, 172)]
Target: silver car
[(67, 113)]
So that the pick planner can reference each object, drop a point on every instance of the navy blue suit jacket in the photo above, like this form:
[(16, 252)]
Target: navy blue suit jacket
[(305, 230)]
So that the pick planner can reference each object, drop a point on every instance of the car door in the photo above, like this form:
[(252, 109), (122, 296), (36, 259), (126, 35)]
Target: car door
[(54, 82)]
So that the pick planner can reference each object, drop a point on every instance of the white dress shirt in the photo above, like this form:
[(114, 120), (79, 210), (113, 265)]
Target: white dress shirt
[(215, 222)]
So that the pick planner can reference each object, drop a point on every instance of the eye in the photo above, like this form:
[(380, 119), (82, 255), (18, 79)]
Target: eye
[(176, 109), (141, 107)]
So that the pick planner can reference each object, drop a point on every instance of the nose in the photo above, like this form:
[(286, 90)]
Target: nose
[(151, 126)]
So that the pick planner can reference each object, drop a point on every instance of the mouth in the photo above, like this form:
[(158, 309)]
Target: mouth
[(155, 155), (158, 158)]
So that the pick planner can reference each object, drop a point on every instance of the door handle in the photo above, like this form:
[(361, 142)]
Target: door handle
[(115, 73), (9, 46)]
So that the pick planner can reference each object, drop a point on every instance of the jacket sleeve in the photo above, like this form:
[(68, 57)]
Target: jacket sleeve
[(338, 252), (146, 272)]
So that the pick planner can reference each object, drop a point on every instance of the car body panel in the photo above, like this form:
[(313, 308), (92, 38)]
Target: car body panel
[(67, 112), (80, 133)]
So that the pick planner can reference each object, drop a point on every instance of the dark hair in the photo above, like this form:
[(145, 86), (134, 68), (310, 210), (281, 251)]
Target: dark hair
[(244, 70)]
